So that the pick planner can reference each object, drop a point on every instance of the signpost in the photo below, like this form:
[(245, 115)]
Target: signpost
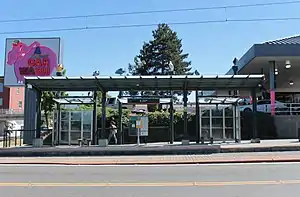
[(138, 127)]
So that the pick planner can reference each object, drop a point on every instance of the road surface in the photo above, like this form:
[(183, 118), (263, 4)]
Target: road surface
[(236, 180)]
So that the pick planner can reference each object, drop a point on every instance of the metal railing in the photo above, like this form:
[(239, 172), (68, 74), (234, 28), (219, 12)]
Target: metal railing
[(287, 109), (11, 111), (12, 138), (291, 109)]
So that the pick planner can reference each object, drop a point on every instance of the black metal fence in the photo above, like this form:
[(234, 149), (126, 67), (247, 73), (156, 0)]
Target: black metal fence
[(12, 138)]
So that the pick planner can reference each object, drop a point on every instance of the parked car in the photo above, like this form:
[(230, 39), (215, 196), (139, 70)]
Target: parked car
[(264, 106)]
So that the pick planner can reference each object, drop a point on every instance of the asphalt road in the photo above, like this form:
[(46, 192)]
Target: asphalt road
[(240, 180)]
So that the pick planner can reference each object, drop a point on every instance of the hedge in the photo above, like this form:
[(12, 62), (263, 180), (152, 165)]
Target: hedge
[(157, 118)]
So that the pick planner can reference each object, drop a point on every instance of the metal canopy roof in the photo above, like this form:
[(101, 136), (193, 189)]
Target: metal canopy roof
[(74, 101), (126, 83), (219, 100)]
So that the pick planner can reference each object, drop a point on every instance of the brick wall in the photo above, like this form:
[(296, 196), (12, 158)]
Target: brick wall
[(16, 100)]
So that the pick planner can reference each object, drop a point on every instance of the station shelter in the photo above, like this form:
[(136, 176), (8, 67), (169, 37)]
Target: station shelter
[(71, 125), (34, 86)]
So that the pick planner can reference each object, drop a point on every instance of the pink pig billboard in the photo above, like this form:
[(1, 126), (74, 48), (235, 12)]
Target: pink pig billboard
[(30, 57)]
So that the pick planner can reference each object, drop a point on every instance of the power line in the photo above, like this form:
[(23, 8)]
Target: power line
[(150, 12), (149, 25)]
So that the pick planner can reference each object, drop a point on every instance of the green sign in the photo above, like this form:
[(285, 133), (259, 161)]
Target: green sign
[(143, 121), (143, 101)]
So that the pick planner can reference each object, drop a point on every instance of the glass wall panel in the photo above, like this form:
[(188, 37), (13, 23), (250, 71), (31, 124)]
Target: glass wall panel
[(65, 115), (87, 117), (76, 125), (87, 127), (87, 121), (75, 136), (87, 135), (65, 125), (76, 116), (64, 136)]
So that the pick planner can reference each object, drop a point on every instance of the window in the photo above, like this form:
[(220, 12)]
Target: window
[(111, 101), (18, 90), (20, 104), (1, 87), (1, 101), (264, 102)]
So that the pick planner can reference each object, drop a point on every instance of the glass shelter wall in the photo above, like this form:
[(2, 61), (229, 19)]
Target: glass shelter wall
[(73, 125), (220, 122)]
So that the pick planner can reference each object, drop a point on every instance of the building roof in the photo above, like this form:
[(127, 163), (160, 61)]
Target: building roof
[(129, 83), (288, 40), (284, 47)]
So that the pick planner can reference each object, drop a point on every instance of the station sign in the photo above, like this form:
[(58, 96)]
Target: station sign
[(143, 101)]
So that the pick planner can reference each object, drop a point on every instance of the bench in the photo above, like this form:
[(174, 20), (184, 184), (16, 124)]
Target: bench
[(82, 142)]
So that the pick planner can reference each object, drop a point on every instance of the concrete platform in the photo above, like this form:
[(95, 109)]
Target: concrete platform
[(263, 146), (65, 151)]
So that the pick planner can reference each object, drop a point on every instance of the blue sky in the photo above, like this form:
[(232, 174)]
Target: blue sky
[(212, 47)]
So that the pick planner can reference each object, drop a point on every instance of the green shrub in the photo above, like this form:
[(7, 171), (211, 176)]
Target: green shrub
[(157, 118)]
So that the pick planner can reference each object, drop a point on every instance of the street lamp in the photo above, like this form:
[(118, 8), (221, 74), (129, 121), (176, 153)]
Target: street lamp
[(235, 72), (96, 73), (235, 67), (172, 72), (120, 71)]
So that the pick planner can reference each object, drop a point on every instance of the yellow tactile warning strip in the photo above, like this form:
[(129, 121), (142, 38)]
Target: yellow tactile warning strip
[(151, 160)]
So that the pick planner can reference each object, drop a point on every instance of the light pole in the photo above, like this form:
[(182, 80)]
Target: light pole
[(95, 129), (120, 72), (235, 72), (172, 71), (198, 130)]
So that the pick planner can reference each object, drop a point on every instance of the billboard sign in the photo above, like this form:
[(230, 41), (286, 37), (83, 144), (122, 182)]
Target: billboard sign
[(30, 57)]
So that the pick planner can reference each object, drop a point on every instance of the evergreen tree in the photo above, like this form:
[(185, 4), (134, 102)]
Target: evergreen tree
[(157, 54)]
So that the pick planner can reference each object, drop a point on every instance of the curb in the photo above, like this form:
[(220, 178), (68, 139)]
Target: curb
[(201, 162), (36, 152), (261, 149), (192, 150)]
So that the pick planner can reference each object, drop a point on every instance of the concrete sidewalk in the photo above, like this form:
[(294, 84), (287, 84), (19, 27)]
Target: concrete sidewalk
[(148, 160), (264, 146), (153, 149)]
